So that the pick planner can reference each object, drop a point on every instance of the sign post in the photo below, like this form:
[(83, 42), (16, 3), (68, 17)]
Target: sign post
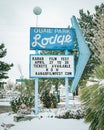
[(66, 87), (37, 11), (36, 93)]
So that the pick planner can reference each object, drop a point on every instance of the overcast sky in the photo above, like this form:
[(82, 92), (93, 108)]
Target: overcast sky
[(16, 18)]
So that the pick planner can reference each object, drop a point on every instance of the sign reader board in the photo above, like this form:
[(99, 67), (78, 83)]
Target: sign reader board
[(45, 66)]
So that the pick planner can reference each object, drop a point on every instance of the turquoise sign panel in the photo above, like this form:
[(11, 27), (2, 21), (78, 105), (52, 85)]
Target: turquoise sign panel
[(84, 54), (52, 38)]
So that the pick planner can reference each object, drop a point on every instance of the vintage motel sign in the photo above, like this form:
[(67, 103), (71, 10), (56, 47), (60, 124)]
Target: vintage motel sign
[(58, 39)]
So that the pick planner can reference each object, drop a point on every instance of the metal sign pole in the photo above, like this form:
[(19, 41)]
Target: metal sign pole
[(36, 93), (36, 96), (36, 81), (37, 11), (66, 87)]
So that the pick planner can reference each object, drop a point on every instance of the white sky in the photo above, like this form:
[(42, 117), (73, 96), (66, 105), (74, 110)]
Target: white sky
[(16, 18)]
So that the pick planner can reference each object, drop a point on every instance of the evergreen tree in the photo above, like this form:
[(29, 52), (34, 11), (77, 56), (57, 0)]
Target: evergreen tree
[(92, 97), (99, 32), (4, 67), (89, 26)]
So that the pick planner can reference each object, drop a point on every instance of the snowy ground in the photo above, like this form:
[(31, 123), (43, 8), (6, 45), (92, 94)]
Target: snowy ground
[(6, 121), (45, 123)]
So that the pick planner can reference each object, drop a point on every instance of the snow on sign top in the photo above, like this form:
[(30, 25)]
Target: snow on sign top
[(52, 38)]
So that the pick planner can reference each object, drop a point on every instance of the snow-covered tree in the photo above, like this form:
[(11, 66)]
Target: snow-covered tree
[(92, 29), (92, 97), (4, 67), (98, 31)]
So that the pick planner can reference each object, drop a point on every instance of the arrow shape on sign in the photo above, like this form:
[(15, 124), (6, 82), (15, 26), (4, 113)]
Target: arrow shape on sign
[(84, 54)]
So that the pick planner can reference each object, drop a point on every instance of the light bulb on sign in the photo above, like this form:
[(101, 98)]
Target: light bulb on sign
[(37, 10)]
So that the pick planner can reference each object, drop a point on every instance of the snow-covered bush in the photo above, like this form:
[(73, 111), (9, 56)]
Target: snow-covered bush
[(17, 102), (48, 99), (71, 113)]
